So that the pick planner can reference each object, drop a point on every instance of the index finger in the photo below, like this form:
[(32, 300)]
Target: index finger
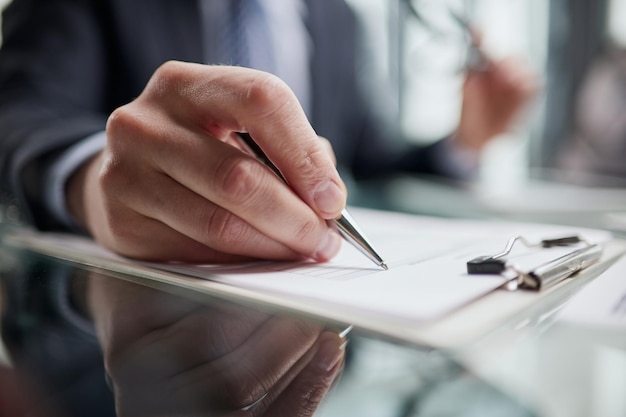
[(222, 100)]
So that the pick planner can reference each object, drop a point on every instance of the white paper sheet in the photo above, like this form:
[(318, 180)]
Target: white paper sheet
[(427, 258)]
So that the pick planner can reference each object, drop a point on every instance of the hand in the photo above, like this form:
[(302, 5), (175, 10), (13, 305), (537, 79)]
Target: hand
[(167, 356), (492, 101), (173, 184), (18, 396)]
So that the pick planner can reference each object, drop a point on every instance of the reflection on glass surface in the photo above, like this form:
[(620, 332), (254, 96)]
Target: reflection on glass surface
[(84, 343), (165, 355), (162, 354), (88, 344)]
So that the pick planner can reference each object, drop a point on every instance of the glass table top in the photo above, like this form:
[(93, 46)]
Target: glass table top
[(83, 341)]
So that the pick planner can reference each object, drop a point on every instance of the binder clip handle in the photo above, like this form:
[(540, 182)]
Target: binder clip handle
[(488, 265), (496, 264), (561, 241)]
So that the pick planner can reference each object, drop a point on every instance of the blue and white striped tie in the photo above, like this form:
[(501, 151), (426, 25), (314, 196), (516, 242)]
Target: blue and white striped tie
[(247, 38)]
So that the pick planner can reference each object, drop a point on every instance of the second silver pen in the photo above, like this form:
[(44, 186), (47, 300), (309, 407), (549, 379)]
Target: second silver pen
[(345, 224)]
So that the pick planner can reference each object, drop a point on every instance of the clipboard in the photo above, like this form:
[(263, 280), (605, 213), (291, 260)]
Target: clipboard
[(546, 274), (475, 314)]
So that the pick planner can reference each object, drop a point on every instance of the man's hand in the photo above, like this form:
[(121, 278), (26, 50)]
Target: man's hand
[(492, 101), (167, 356), (173, 184)]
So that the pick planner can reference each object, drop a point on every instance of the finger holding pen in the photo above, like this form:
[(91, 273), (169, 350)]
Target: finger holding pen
[(262, 105), (346, 226), (170, 186)]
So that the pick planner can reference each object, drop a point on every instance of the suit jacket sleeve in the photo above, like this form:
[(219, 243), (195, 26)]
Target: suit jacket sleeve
[(65, 65), (52, 64)]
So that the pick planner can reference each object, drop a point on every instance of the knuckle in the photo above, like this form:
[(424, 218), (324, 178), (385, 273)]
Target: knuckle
[(119, 122), (225, 227), (307, 231), (168, 67), (266, 93), (310, 162), (239, 178), (168, 77), (127, 125)]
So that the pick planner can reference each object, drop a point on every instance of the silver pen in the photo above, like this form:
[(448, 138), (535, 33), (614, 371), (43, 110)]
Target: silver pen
[(345, 223)]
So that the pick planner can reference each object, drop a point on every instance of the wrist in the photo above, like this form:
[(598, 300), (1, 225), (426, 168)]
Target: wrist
[(75, 192)]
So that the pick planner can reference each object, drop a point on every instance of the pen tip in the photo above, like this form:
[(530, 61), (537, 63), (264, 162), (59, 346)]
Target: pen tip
[(384, 266)]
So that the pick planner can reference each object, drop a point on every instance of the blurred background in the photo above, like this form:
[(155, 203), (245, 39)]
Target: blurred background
[(565, 160), (564, 41), (575, 130)]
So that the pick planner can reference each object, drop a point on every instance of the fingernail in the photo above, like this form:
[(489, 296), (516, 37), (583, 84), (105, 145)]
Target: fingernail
[(329, 247), (329, 198), (329, 354)]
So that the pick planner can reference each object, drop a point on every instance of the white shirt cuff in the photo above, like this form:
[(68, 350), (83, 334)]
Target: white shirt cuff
[(61, 171)]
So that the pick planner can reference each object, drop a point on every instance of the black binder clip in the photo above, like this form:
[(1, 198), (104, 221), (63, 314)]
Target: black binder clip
[(544, 275)]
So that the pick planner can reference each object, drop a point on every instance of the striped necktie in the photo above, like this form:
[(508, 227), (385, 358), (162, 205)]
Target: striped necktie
[(247, 39)]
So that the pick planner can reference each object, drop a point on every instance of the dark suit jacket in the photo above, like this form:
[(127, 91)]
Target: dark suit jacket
[(66, 64)]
